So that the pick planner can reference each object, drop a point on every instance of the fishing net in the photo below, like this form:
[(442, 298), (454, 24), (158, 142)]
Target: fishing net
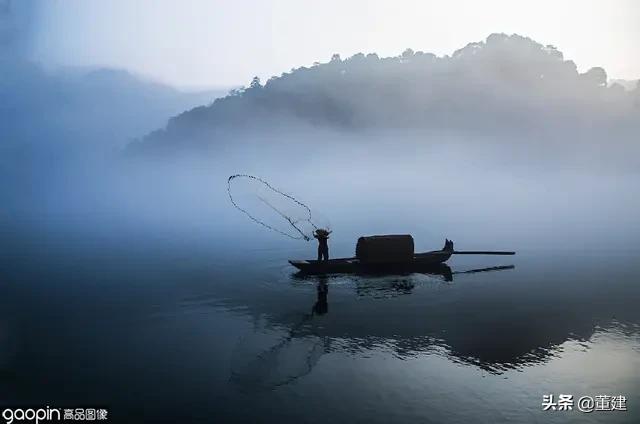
[(272, 208)]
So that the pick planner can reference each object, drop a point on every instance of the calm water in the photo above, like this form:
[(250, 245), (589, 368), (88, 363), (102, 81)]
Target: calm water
[(194, 332)]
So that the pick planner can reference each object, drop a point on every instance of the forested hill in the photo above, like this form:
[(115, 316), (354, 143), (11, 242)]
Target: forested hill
[(503, 85)]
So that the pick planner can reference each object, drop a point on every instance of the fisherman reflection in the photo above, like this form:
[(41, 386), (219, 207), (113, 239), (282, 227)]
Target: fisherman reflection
[(321, 306), (323, 245)]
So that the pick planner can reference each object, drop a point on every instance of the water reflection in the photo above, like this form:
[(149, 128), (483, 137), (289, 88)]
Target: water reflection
[(266, 360), (385, 285), (283, 358), (218, 325), (321, 306), (496, 328)]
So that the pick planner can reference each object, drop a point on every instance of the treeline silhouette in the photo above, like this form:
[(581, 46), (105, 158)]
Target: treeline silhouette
[(508, 84)]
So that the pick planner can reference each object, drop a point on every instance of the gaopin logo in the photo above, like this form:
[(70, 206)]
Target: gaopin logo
[(12, 415)]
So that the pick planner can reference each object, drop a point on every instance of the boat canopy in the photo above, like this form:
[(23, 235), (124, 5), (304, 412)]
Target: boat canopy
[(393, 248)]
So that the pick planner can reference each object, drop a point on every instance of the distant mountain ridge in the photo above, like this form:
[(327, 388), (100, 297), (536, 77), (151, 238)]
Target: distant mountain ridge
[(506, 84), (74, 107)]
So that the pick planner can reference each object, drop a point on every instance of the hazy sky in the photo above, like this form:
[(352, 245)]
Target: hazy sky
[(221, 43)]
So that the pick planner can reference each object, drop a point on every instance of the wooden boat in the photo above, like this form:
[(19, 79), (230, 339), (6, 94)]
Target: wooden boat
[(418, 262), (421, 262)]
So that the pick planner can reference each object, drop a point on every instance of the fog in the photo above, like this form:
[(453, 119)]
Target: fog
[(503, 144), (125, 267), (433, 193), (480, 196)]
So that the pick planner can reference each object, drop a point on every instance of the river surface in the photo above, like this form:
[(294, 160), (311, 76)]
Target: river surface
[(162, 330)]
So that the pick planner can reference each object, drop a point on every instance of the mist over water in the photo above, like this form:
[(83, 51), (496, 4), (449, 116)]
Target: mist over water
[(136, 270), (362, 185), (154, 245), (128, 279)]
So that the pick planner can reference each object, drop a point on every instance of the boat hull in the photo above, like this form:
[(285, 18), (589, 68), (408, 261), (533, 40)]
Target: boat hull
[(421, 262)]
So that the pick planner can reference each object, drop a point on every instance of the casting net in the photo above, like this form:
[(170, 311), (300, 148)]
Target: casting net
[(272, 208)]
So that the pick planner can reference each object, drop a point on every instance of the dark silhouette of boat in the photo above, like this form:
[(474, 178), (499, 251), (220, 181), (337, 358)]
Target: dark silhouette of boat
[(415, 262), (421, 261)]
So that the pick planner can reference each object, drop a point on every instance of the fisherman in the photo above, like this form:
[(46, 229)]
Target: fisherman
[(323, 247)]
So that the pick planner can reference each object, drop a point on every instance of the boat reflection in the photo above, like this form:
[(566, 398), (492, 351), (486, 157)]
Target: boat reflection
[(294, 353), (494, 323), (442, 270), (461, 335), (390, 285)]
